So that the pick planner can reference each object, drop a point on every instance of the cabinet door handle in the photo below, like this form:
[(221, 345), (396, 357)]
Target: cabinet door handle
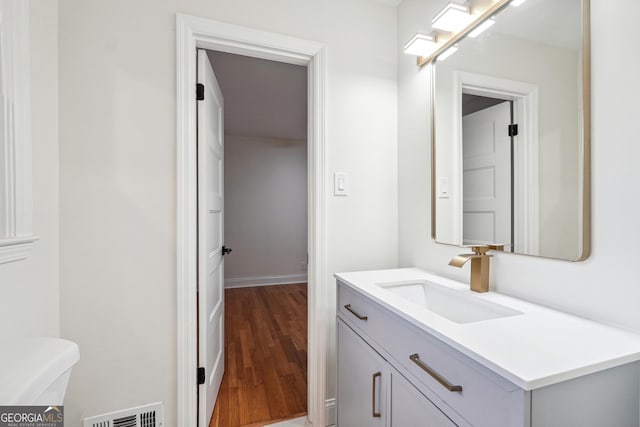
[(374, 414), (352, 311), (415, 358)]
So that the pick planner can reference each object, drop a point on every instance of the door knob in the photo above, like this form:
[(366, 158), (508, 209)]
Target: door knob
[(226, 250)]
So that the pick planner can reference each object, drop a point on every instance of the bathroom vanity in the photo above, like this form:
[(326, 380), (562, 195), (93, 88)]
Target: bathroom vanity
[(415, 349)]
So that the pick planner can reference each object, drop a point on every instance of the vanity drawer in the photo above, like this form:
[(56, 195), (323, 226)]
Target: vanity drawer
[(362, 313), (480, 396), (354, 308), (485, 398)]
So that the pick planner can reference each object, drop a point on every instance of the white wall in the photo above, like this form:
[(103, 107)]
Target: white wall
[(265, 196), (118, 179), (29, 289), (603, 287)]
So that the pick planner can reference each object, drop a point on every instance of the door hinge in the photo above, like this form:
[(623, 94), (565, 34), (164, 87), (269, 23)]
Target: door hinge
[(513, 130), (199, 91), (201, 376)]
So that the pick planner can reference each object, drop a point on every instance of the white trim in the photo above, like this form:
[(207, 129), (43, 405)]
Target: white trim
[(15, 249), (526, 155), (16, 231), (191, 33), (249, 282), (331, 415), (296, 422)]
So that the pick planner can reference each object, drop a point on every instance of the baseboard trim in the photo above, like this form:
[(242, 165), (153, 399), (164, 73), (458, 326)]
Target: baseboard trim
[(246, 282), (330, 412)]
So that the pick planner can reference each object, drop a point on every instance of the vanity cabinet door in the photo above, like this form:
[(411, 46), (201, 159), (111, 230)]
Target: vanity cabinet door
[(363, 382), (411, 408)]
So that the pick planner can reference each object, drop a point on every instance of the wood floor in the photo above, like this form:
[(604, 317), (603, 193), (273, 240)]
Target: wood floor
[(265, 356)]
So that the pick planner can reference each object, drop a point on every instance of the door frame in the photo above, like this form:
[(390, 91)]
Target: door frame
[(192, 33), (526, 156)]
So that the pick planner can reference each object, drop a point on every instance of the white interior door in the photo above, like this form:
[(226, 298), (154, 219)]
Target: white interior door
[(486, 159), (210, 239)]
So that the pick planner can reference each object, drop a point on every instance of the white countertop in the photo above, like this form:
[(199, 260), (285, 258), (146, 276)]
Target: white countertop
[(540, 347)]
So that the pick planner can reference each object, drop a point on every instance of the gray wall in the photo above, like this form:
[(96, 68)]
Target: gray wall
[(265, 210)]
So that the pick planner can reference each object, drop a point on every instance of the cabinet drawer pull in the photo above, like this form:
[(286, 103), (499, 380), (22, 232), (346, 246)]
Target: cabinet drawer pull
[(373, 395), (359, 316), (415, 358)]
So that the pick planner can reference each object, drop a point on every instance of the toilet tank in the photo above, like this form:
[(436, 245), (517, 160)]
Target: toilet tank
[(36, 371)]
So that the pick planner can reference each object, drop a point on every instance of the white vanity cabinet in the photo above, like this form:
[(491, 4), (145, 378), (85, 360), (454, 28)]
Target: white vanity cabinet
[(389, 365), (372, 393), (409, 407), (364, 390)]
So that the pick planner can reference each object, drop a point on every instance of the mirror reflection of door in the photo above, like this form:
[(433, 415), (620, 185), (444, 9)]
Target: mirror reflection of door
[(487, 159)]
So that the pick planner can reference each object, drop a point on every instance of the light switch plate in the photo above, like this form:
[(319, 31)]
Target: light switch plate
[(340, 183), (443, 188)]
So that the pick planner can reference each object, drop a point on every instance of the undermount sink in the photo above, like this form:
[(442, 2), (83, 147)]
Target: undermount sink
[(457, 306)]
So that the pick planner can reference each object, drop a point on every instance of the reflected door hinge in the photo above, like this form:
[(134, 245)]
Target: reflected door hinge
[(513, 130), (201, 376), (199, 91)]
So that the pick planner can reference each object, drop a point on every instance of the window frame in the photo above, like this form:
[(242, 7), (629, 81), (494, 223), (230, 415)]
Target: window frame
[(16, 198)]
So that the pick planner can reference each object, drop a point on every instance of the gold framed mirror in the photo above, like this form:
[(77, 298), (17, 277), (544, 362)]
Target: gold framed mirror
[(510, 123)]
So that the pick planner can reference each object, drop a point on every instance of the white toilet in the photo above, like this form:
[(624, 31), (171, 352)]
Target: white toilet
[(36, 371)]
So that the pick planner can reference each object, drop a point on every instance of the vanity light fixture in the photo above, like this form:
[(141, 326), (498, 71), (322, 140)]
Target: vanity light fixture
[(456, 20), (452, 17), (420, 45), (447, 53), (481, 28), (517, 2)]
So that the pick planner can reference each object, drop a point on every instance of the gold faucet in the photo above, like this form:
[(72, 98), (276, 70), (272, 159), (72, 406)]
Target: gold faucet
[(479, 265)]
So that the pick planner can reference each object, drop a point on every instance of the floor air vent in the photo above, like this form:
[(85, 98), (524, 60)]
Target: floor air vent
[(143, 416), (130, 421)]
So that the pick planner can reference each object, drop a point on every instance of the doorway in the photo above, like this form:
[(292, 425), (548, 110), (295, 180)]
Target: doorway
[(520, 100), (488, 133), (192, 33), (265, 227)]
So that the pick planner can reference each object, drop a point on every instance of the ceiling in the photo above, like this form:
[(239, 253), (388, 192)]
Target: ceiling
[(262, 98)]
